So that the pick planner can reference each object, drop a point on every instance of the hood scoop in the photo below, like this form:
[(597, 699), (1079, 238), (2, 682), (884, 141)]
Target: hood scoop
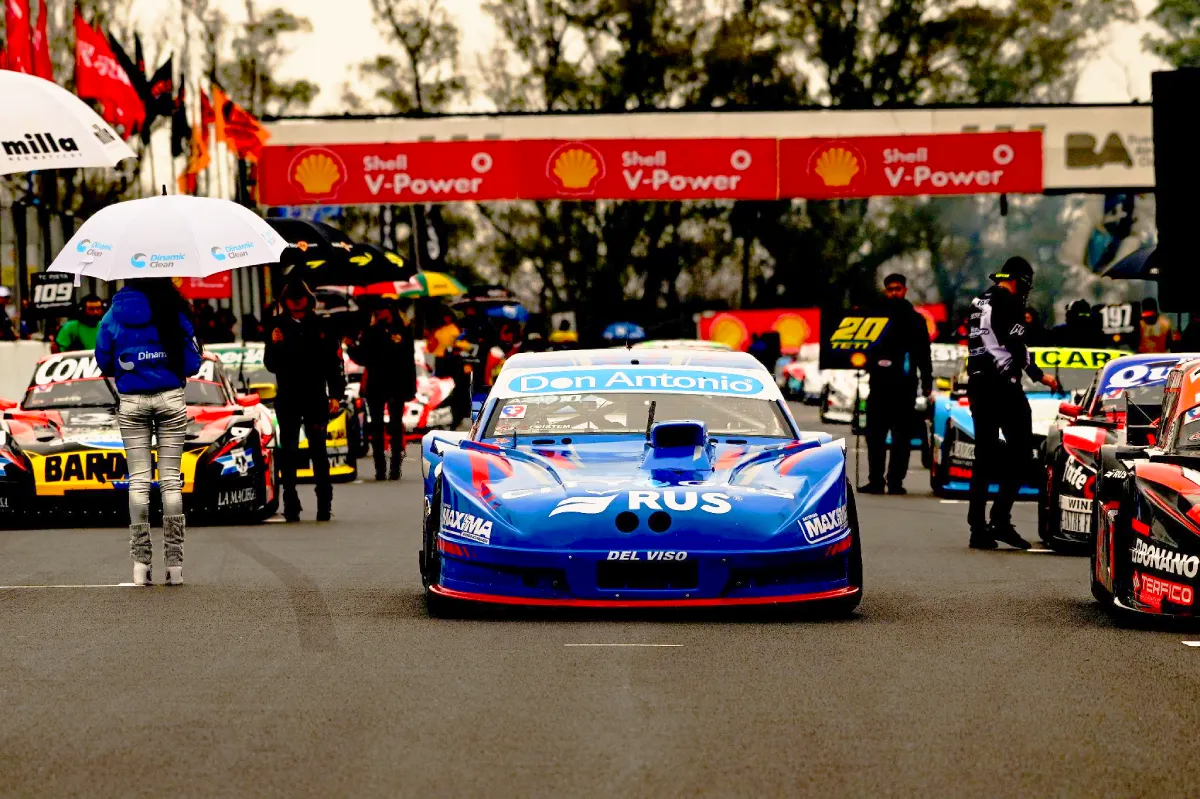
[(681, 448)]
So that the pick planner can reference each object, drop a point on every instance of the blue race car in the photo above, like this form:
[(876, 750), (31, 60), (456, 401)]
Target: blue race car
[(952, 430), (637, 478)]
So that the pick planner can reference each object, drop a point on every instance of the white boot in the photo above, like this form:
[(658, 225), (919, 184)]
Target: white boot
[(141, 574), (174, 575)]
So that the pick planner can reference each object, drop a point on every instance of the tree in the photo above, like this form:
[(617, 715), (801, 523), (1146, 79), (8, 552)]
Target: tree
[(257, 52), (1181, 45), (424, 76)]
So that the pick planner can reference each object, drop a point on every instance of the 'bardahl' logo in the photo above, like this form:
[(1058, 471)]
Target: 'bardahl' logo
[(1081, 152)]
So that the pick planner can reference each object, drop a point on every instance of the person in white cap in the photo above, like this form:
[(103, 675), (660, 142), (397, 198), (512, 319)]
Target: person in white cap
[(7, 332)]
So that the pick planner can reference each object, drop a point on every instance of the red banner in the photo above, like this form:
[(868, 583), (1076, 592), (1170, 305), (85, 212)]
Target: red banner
[(386, 174), (19, 32), (648, 169), (795, 327), (652, 169), (43, 67), (896, 166), (217, 286), (98, 76)]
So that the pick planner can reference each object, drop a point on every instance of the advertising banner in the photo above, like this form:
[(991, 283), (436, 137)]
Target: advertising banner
[(795, 327), (218, 286), (649, 169), (895, 166), (388, 174)]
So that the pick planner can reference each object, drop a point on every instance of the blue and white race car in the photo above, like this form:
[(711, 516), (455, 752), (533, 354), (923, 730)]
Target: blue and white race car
[(952, 430), (637, 478)]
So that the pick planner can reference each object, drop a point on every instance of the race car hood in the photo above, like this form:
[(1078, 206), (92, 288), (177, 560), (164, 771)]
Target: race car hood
[(625, 492), (1043, 408), (59, 430)]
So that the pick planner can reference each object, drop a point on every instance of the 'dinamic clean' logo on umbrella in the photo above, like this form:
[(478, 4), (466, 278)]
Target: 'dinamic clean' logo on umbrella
[(232, 251), (156, 260), (93, 248)]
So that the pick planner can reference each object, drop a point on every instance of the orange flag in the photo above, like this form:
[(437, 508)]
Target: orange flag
[(237, 127)]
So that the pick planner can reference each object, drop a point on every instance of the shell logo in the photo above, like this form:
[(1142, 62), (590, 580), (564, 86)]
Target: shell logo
[(575, 168), (837, 165), (730, 330), (793, 331), (318, 173)]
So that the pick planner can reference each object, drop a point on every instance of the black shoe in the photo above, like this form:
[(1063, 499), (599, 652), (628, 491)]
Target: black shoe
[(871, 488), (291, 508), (980, 539), (380, 475), (898, 491), (324, 505), (1005, 533), (394, 474)]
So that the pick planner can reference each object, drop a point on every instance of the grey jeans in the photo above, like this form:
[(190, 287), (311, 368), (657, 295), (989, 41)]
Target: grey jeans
[(163, 416)]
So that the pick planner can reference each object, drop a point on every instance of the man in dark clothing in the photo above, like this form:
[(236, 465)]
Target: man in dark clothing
[(385, 350), (996, 358), (1082, 328), (308, 367), (893, 363)]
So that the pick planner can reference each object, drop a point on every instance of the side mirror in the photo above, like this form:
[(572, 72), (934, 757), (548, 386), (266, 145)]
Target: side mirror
[(1070, 410), (7, 404), (248, 400), (476, 409), (265, 391)]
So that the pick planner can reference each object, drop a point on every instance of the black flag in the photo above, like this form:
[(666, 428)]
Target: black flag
[(181, 131)]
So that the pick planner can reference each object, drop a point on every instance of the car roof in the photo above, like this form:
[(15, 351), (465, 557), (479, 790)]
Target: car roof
[(624, 357)]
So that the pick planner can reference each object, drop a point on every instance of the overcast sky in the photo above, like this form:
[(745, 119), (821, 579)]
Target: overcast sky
[(344, 35)]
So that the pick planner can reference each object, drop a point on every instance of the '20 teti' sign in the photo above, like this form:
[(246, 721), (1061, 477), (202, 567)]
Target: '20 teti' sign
[(846, 338)]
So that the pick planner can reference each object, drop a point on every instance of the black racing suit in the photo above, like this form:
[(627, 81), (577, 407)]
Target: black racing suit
[(901, 352), (996, 338), (390, 381), (308, 368)]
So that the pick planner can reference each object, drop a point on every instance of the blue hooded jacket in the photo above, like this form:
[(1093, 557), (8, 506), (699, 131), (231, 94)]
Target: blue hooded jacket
[(128, 349)]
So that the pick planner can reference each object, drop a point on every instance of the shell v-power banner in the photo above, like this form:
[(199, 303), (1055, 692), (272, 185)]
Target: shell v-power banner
[(652, 169)]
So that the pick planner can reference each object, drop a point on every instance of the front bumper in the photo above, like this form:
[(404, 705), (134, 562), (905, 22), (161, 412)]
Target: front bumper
[(618, 578)]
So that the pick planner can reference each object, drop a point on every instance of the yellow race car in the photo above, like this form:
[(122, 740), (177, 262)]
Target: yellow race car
[(243, 363)]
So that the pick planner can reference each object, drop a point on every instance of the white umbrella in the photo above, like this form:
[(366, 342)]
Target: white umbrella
[(169, 236), (44, 126)]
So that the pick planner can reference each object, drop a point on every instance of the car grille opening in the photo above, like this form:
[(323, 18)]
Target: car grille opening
[(792, 574), (647, 576)]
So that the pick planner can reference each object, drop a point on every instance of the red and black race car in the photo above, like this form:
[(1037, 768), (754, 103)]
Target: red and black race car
[(61, 450), (1146, 555), (1130, 389)]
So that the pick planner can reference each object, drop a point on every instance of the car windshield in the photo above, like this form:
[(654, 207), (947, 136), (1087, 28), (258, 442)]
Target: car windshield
[(1143, 382), (204, 392), (620, 412), (86, 393), (245, 368)]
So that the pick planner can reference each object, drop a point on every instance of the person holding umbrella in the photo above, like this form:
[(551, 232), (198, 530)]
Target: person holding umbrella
[(305, 359), (385, 350), (147, 343)]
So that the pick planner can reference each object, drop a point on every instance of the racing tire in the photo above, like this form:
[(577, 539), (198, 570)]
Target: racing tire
[(927, 448), (841, 608), (1049, 520), (437, 606), (937, 483)]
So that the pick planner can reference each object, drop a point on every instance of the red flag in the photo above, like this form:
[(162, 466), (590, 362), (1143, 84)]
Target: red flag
[(42, 66), (20, 34), (238, 128), (98, 76)]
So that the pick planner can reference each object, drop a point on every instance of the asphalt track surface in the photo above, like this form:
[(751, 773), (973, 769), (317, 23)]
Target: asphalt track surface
[(299, 661)]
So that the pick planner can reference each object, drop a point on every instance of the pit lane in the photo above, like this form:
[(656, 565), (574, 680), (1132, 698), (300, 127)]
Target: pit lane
[(298, 660)]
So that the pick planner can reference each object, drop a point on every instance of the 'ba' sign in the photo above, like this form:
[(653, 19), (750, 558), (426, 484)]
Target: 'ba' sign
[(688, 381)]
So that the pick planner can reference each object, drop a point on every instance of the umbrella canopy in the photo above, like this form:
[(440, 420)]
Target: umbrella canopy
[(513, 310), (424, 284), (313, 240), (47, 127), (1140, 265), (168, 236), (358, 265), (623, 331)]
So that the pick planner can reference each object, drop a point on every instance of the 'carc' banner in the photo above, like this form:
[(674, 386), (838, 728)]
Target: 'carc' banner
[(893, 166), (795, 326), (650, 169)]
